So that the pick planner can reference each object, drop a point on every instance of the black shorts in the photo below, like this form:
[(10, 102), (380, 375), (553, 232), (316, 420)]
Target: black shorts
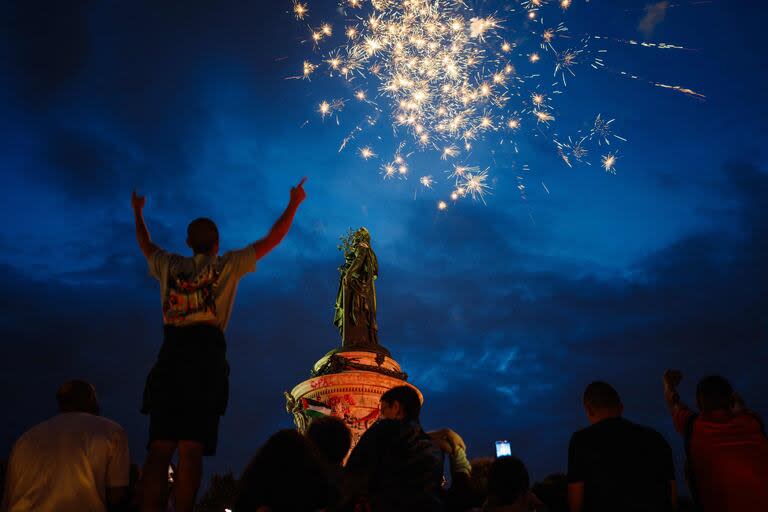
[(200, 427)]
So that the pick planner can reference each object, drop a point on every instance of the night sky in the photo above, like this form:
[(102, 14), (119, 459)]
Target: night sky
[(500, 313)]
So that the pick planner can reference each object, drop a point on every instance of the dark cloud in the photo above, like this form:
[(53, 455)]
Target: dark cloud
[(50, 44), (84, 166)]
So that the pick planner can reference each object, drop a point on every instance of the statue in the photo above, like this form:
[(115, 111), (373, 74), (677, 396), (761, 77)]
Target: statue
[(355, 314)]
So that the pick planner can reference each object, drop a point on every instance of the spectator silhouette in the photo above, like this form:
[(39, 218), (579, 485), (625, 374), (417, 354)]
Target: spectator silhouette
[(395, 465), (458, 497), (287, 474), (509, 487), (481, 468), (726, 446), (76, 461), (333, 439), (615, 464), (553, 492)]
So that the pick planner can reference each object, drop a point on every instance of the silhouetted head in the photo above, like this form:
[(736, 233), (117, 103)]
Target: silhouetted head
[(77, 396), (478, 483), (286, 475), (601, 401), (332, 438), (714, 393), (400, 403), (508, 482), (553, 492), (203, 236)]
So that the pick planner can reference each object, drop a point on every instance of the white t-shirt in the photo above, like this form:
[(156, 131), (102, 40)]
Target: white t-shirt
[(200, 289), (66, 464)]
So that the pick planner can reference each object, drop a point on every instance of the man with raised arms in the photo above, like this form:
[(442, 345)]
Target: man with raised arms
[(187, 389)]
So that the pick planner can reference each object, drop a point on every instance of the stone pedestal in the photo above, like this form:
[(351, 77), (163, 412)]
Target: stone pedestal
[(350, 385)]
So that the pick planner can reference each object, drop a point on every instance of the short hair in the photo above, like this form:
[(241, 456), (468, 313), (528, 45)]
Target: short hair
[(714, 392), (601, 395), (77, 396), (287, 462), (332, 438), (408, 399), (508, 481), (202, 235)]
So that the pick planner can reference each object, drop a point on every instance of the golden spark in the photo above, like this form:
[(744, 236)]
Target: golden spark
[(609, 163), (300, 10)]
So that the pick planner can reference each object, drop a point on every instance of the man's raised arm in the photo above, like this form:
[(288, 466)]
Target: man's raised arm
[(283, 223), (680, 413), (672, 380), (142, 234)]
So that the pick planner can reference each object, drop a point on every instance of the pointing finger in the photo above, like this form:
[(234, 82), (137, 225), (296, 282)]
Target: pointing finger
[(301, 182)]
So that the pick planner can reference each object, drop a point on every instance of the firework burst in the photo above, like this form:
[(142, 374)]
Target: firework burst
[(450, 77)]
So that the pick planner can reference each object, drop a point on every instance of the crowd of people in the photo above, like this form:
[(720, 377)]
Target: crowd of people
[(79, 461)]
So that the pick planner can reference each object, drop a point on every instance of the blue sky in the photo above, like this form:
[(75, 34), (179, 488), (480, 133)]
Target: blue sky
[(500, 313)]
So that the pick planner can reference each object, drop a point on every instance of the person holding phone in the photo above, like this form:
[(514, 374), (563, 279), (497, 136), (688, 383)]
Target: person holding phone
[(187, 390)]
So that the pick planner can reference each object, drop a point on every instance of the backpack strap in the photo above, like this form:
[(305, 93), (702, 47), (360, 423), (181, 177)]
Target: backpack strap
[(690, 475)]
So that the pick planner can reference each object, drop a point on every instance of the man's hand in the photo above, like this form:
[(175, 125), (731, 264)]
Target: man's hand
[(672, 379), (142, 233), (137, 201), (297, 193)]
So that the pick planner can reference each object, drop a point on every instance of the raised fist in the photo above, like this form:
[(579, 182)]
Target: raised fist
[(672, 378), (137, 201), (297, 193)]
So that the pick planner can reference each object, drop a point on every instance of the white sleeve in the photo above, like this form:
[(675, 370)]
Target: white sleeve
[(158, 262), (243, 260), (119, 461)]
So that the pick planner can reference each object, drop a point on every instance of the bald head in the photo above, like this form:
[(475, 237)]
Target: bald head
[(77, 396), (203, 236)]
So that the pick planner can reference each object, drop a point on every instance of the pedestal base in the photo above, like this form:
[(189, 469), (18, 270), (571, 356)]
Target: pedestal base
[(351, 392)]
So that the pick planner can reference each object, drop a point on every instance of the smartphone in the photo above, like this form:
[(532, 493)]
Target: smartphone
[(503, 449)]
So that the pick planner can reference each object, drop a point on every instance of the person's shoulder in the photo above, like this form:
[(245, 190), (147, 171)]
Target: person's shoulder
[(385, 427), (100, 424), (170, 258), (162, 253), (749, 418), (30, 436), (650, 434), (248, 251), (583, 433), (383, 431)]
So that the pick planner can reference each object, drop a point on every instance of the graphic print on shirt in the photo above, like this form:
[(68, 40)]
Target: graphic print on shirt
[(191, 298)]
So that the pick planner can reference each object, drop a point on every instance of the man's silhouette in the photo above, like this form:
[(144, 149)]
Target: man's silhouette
[(187, 390)]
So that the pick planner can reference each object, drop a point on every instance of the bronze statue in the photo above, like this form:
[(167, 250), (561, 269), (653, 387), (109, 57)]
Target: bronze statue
[(355, 314)]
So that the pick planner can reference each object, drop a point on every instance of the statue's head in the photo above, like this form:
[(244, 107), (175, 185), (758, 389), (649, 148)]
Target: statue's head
[(362, 235), (352, 240)]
